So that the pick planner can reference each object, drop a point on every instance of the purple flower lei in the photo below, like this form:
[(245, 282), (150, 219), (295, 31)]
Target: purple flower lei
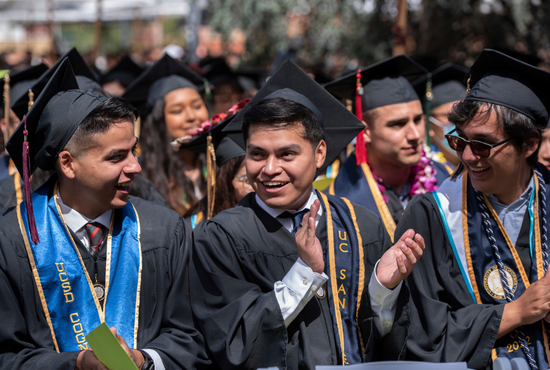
[(423, 178)]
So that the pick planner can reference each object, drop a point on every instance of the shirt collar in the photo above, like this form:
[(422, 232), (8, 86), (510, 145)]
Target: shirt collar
[(275, 212), (524, 197), (75, 221)]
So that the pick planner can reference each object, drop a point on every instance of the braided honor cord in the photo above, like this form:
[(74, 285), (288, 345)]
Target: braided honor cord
[(507, 291)]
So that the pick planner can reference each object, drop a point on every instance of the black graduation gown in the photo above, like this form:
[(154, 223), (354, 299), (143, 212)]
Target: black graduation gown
[(165, 323), (441, 322), (237, 257)]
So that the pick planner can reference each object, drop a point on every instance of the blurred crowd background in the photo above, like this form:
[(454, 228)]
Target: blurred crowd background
[(325, 37)]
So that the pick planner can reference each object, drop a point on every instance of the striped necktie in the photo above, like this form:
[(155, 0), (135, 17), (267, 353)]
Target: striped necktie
[(96, 234)]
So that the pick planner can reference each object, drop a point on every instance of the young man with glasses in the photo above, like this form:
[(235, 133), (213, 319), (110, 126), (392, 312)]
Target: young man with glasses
[(481, 290)]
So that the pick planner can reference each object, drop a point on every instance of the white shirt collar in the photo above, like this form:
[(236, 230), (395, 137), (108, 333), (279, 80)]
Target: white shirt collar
[(76, 221), (275, 212)]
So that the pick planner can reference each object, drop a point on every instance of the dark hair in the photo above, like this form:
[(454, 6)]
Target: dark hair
[(516, 125), (100, 120), (281, 112), (164, 167), (225, 192)]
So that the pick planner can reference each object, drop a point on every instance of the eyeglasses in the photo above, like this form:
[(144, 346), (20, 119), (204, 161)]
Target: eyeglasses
[(479, 148), (243, 179)]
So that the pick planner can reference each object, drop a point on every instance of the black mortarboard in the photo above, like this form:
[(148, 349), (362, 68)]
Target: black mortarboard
[(340, 126), (125, 72), (384, 83), (21, 80), (499, 79), (447, 84), (53, 119), (166, 75), (224, 147), (85, 78)]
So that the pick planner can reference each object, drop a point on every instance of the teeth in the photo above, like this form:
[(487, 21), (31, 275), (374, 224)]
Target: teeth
[(273, 183), (124, 184), (479, 169)]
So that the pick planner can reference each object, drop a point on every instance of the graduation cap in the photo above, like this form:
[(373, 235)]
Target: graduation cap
[(49, 125), (384, 83), (224, 147), (125, 72), (340, 126), (500, 79), (166, 75), (21, 80), (86, 79), (447, 85)]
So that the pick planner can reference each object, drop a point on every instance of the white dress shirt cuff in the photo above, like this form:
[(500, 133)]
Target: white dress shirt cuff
[(159, 365), (296, 289), (382, 302)]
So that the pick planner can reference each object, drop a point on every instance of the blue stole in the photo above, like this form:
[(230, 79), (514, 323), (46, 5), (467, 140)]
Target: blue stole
[(67, 294), (346, 270), (357, 184), (474, 255)]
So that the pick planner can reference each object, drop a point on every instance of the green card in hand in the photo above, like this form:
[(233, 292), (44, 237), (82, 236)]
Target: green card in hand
[(108, 350)]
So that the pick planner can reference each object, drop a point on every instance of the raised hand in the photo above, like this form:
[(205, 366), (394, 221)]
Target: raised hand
[(398, 261), (309, 247)]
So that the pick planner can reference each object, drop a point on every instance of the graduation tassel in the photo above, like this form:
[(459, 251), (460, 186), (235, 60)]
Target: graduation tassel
[(429, 98), (31, 99), (468, 85), (207, 91), (27, 185), (7, 107), (360, 147), (210, 177)]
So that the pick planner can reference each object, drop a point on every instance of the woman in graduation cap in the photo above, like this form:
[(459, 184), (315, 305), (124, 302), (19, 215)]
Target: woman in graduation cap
[(226, 172), (482, 289), (168, 95)]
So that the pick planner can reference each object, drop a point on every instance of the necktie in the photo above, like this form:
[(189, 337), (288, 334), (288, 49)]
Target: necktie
[(96, 234), (296, 217)]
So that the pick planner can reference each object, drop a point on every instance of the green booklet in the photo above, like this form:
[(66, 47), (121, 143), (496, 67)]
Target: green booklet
[(108, 350)]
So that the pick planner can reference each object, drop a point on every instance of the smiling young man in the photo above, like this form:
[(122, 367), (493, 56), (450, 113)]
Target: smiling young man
[(481, 289), (396, 168), (268, 292), (80, 251)]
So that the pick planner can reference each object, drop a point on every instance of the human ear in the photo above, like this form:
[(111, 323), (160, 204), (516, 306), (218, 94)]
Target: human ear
[(530, 146), (320, 153), (66, 164)]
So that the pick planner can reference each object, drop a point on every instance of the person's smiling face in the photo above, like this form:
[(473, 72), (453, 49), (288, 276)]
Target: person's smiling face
[(501, 173), (184, 111), (281, 164)]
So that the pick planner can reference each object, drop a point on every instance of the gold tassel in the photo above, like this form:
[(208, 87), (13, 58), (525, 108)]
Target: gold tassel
[(210, 177), (468, 85), (7, 107), (31, 100)]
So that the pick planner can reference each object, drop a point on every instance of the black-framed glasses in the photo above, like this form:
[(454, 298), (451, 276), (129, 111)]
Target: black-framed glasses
[(479, 148)]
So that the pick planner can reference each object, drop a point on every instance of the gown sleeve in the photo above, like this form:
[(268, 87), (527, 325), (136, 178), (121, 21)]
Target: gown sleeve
[(440, 320), (241, 321), (178, 343)]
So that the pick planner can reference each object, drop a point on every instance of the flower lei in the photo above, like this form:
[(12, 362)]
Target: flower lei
[(422, 175), (207, 125)]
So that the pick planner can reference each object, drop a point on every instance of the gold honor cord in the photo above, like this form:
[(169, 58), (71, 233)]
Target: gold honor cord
[(7, 107), (31, 100), (210, 177)]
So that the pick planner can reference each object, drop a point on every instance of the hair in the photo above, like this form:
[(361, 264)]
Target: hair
[(100, 120), (225, 191), (516, 125), (164, 167), (282, 113), (370, 116)]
